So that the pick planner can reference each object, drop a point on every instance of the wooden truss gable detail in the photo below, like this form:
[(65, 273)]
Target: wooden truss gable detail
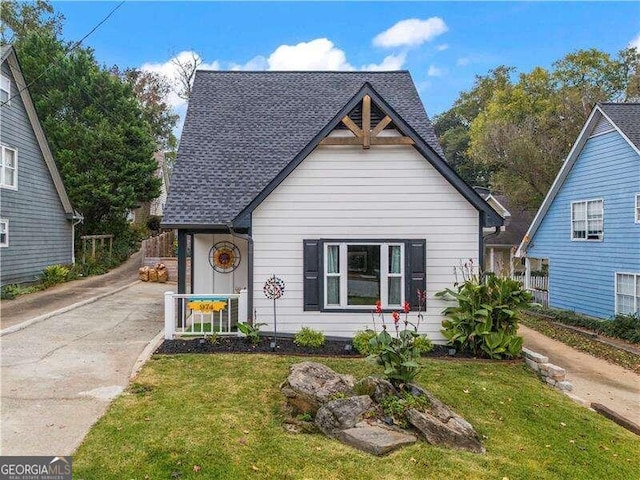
[(366, 136)]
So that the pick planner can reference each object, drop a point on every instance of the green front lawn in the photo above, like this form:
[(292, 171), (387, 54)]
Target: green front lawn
[(222, 415)]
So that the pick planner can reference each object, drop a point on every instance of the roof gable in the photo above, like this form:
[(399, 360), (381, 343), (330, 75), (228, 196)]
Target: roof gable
[(254, 128), (626, 123), (9, 55)]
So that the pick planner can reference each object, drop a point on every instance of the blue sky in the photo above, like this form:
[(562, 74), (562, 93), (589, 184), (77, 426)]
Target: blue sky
[(444, 46)]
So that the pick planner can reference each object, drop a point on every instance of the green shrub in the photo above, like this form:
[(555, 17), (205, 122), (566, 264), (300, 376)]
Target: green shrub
[(361, 341), (484, 321), (9, 292), (308, 337), (423, 344), (54, 274), (252, 332), (625, 327), (396, 406)]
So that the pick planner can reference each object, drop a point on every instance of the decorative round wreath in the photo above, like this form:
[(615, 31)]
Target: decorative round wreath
[(273, 288), (224, 257)]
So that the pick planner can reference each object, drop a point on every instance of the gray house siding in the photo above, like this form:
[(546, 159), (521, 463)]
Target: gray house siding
[(39, 232)]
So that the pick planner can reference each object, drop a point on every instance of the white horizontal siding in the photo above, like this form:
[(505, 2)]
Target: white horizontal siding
[(386, 192)]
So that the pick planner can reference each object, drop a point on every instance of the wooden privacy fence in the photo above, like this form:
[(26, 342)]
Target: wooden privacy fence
[(94, 239), (159, 246)]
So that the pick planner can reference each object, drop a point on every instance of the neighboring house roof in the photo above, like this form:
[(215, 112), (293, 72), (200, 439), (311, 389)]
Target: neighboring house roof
[(515, 224), (623, 118), (8, 54), (245, 132)]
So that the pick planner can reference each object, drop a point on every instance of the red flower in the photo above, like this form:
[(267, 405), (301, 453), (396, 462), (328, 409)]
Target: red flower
[(406, 307), (396, 317), (378, 306)]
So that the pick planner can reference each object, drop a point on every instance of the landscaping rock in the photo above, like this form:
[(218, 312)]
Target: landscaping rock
[(532, 365), (342, 413), (565, 386), (310, 385), (534, 356), (376, 387), (375, 439), (455, 432)]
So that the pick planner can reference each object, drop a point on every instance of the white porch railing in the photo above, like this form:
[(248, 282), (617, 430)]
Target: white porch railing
[(538, 282), (200, 315)]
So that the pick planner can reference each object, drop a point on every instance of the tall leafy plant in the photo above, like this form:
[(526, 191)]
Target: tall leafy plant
[(484, 320)]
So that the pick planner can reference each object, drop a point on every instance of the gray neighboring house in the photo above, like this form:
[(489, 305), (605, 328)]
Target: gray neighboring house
[(36, 216)]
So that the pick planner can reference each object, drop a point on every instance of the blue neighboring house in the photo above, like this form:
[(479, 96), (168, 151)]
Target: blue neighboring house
[(36, 218), (588, 227)]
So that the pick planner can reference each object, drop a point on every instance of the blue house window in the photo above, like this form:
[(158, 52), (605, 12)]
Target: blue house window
[(637, 207), (4, 233), (627, 293), (5, 89), (587, 220)]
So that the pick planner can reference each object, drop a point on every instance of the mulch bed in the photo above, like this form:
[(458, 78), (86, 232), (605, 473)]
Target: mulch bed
[(285, 346)]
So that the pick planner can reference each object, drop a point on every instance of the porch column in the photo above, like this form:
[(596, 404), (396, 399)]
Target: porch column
[(182, 261), (492, 260), (511, 267), (527, 273)]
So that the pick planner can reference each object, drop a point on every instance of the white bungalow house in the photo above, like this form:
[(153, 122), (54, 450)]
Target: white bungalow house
[(332, 181)]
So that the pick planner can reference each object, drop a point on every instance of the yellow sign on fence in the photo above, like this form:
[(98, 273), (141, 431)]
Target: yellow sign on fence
[(207, 306)]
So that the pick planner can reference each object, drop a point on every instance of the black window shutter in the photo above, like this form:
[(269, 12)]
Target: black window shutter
[(416, 276), (311, 265)]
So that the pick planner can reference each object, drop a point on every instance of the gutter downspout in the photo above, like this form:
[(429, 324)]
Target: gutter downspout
[(249, 240), (484, 237), (79, 219)]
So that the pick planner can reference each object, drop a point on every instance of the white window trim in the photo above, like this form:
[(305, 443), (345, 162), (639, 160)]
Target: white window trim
[(6, 229), (637, 208), (586, 210), (8, 80), (2, 168), (636, 302), (384, 274)]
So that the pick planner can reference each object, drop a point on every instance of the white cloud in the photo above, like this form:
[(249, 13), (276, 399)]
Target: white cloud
[(318, 54), (463, 62), (411, 32), (443, 47), (256, 63), (435, 71), (390, 62), (169, 70), (635, 42)]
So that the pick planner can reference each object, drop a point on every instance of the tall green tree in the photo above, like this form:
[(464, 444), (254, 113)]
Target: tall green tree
[(22, 18), (95, 126), (526, 129), (453, 126)]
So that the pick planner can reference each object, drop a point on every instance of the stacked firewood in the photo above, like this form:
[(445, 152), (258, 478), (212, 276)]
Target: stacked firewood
[(157, 274)]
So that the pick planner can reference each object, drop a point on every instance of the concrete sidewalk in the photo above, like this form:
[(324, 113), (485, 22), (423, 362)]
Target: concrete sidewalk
[(26, 307), (593, 379), (59, 375)]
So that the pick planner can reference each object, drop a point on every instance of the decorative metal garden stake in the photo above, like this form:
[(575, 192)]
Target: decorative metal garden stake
[(274, 289)]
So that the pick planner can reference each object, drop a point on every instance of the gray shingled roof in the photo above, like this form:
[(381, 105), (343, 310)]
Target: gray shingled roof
[(626, 116), (515, 226), (243, 128)]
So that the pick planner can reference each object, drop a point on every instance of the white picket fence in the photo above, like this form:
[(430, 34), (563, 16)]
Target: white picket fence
[(538, 282)]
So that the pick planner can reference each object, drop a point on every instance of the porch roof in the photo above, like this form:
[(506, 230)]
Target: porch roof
[(243, 128)]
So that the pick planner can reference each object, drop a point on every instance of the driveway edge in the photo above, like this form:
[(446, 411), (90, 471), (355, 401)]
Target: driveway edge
[(146, 354), (26, 323)]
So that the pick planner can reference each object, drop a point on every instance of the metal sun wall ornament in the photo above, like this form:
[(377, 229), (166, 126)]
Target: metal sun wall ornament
[(224, 257), (274, 289)]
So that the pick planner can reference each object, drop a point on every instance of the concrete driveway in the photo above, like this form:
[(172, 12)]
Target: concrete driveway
[(59, 375)]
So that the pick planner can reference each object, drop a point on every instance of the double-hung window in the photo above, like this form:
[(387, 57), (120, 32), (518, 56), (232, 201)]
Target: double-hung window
[(4, 233), (637, 209), (8, 167), (587, 220), (627, 293), (5, 89), (358, 274)]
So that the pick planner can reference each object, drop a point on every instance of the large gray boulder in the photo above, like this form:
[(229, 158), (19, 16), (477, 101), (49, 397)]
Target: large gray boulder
[(342, 413), (310, 385), (375, 439), (442, 426), (376, 387)]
